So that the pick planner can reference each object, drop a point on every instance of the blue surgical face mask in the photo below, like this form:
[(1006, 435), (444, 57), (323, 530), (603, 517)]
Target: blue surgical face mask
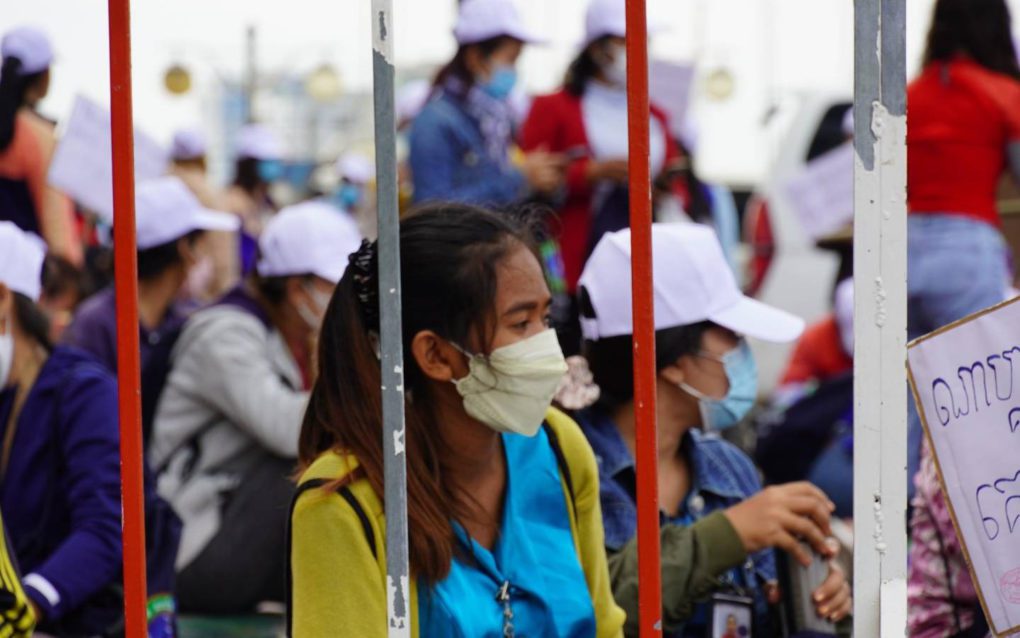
[(348, 196), (742, 374), (270, 170), (501, 82)]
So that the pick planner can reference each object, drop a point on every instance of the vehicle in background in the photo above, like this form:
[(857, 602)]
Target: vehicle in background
[(785, 267)]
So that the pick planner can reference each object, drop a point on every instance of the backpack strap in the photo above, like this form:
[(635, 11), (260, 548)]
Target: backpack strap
[(345, 493), (561, 461)]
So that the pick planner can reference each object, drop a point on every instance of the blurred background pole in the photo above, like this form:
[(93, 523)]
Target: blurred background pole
[(397, 582), (646, 438), (126, 286), (880, 319), (251, 73)]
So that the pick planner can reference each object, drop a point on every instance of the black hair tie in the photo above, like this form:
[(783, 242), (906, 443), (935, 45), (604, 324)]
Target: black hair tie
[(364, 266)]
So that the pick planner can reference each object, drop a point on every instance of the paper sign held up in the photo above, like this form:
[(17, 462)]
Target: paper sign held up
[(822, 194), (966, 382), (82, 164)]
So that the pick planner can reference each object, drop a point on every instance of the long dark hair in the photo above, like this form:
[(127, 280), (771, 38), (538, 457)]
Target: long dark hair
[(246, 174), (457, 67), (979, 29), (32, 320), (13, 86), (450, 255), (584, 68)]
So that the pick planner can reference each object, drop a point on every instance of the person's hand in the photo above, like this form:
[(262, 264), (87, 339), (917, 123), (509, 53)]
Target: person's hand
[(833, 599), (783, 515), (543, 170), (608, 171)]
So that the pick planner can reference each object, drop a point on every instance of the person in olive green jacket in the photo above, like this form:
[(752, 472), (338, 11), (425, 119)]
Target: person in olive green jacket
[(720, 529), (504, 522)]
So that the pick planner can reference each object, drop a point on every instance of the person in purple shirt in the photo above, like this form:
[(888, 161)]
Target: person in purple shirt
[(59, 464), (171, 227)]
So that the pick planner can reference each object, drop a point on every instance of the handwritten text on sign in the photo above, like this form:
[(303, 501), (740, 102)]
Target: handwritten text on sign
[(967, 381)]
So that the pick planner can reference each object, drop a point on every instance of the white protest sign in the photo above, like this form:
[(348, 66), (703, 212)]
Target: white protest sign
[(669, 88), (82, 165), (966, 382), (822, 194)]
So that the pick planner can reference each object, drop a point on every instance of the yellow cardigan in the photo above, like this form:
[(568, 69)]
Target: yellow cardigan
[(338, 585)]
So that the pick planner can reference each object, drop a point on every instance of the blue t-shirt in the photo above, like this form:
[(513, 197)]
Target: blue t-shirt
[(534, 556)]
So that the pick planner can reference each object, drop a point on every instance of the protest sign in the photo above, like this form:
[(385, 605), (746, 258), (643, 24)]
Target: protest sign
[(822, 194), (670, 89), (82, 165), (966, 383)]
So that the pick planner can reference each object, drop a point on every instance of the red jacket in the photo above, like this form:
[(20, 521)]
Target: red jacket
[(556, 124)]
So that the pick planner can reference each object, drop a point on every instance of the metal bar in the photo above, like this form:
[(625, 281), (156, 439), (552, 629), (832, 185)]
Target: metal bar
[(646, 438), (880, 319), (126, 286), (397, 581)]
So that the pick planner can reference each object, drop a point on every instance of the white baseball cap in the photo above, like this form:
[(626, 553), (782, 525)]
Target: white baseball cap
[(608, 17), (166, 209), (481, 20), (259, 142), (31, 46), (21, 261), (356, 168), (692, 283), (188, 144), (310, 238)]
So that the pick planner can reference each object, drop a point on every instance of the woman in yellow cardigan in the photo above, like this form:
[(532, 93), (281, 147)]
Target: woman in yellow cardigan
[(505, 531)]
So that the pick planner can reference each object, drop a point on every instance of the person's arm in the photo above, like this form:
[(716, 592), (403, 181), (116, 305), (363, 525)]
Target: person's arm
[(56, 213), (230, 369), (89, 558), (693, 559), (435, 157), (337, 587)]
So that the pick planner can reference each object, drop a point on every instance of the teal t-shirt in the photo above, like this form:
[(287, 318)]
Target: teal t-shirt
[(534, 558)]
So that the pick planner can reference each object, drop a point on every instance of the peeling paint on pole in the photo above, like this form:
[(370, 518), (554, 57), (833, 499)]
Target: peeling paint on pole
[(880, 319), (391, 347)]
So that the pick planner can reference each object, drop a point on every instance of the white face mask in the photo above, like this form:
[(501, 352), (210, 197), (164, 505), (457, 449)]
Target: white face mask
[(511, 389), (320, 300), (6, 353), (616, 71)]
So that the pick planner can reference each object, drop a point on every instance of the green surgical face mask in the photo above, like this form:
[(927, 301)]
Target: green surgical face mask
[(512, 388)]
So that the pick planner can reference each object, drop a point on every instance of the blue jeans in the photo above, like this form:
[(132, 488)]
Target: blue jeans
[(955, 266)]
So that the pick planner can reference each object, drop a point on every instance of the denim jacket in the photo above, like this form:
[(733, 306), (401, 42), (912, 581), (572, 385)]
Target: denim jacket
[(721, 476), (449, 162)]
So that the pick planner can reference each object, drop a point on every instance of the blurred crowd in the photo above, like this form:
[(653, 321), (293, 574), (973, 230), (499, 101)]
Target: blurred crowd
[(261, 389)]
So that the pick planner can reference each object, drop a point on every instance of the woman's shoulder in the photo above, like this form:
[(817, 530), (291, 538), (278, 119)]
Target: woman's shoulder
[(331, 474), (572, 442)]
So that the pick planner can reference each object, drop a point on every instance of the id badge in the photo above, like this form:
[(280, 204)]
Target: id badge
[(732, 616)]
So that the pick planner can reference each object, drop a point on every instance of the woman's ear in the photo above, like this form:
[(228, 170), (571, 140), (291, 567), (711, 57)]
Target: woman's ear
[(436, 358)]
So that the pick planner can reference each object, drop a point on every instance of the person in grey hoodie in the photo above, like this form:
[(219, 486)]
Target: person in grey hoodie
[(226, 428)]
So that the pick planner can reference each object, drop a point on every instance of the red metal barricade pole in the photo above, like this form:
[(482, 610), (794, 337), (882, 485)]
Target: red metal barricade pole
[(646, 439), (126, 284)]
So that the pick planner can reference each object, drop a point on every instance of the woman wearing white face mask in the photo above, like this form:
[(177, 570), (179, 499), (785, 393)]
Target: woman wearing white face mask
[(505, 531), (720, 528), (587, 121), (226, 427), (461, 139)]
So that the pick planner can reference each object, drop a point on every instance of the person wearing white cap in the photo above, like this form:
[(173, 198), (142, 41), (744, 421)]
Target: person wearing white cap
[(27, 142), (355, 172), (226, 427), (172, 229), (720, 527), (259, 163), (60, 460), (460, 141), (587, 121), (220, 270)]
